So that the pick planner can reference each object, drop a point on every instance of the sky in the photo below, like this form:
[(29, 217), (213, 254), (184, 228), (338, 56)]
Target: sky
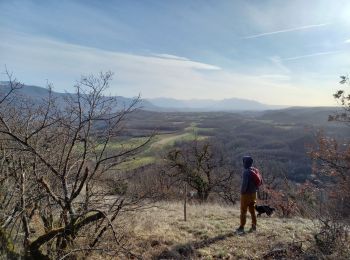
[(275, 52)]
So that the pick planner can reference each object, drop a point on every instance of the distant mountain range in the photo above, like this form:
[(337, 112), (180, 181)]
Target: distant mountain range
[(206, 105), (39, 93), (162, 104)]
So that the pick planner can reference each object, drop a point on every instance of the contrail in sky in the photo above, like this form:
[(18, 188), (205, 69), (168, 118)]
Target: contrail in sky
[(311, 55), (287, 30)]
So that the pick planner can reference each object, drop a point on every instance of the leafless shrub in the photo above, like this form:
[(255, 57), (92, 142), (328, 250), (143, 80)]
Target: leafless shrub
[(54, 161), (332, 167)]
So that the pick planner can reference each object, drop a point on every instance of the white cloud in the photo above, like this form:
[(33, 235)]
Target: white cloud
[(277, 62), (169, 56), (34, 60)]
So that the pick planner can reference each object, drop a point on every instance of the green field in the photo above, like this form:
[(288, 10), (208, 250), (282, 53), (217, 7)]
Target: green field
[(158, 143), (135, 163)]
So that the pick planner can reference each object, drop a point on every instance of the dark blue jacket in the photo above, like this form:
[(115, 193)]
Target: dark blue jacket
[(248, 185)]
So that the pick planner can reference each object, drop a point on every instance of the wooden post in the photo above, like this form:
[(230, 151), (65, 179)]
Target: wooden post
[(185, 203)]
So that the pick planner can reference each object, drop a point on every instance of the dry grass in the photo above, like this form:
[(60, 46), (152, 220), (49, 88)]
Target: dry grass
[(208, 232)]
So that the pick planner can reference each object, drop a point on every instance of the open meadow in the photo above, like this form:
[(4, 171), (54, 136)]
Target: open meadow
[(160, 232)]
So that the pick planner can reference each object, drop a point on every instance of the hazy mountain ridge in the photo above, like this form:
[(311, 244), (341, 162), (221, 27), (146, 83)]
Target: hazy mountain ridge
[(37, 94), (206, 105)]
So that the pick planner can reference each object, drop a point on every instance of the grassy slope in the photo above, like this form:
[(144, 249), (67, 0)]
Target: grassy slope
[(209, 232)]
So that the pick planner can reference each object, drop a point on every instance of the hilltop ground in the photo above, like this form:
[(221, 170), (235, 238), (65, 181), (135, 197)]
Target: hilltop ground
[(161, 233)]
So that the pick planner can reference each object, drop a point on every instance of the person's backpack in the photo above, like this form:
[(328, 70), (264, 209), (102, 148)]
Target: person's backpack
[(256, 176)]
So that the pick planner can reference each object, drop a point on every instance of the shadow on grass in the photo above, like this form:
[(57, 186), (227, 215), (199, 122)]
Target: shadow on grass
[(186, 251)]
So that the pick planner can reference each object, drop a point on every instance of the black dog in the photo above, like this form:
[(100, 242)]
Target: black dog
[(264, 209)]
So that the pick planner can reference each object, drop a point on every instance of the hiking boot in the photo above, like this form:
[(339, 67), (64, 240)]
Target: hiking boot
[(239, 230), (252, 229)]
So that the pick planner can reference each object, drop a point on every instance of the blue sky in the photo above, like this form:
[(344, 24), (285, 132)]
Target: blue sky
[(275, 52)]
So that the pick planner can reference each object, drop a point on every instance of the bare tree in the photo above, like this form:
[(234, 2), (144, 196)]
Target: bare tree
[(197, 165), (55, 158)]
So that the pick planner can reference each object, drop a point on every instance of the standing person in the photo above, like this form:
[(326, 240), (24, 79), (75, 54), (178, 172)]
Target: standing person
[(248, 195)]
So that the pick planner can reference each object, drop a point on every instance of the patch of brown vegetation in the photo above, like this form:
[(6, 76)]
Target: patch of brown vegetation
[(161, 233)]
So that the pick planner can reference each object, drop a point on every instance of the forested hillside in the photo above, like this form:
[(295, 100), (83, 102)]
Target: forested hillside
[(281, 137)]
